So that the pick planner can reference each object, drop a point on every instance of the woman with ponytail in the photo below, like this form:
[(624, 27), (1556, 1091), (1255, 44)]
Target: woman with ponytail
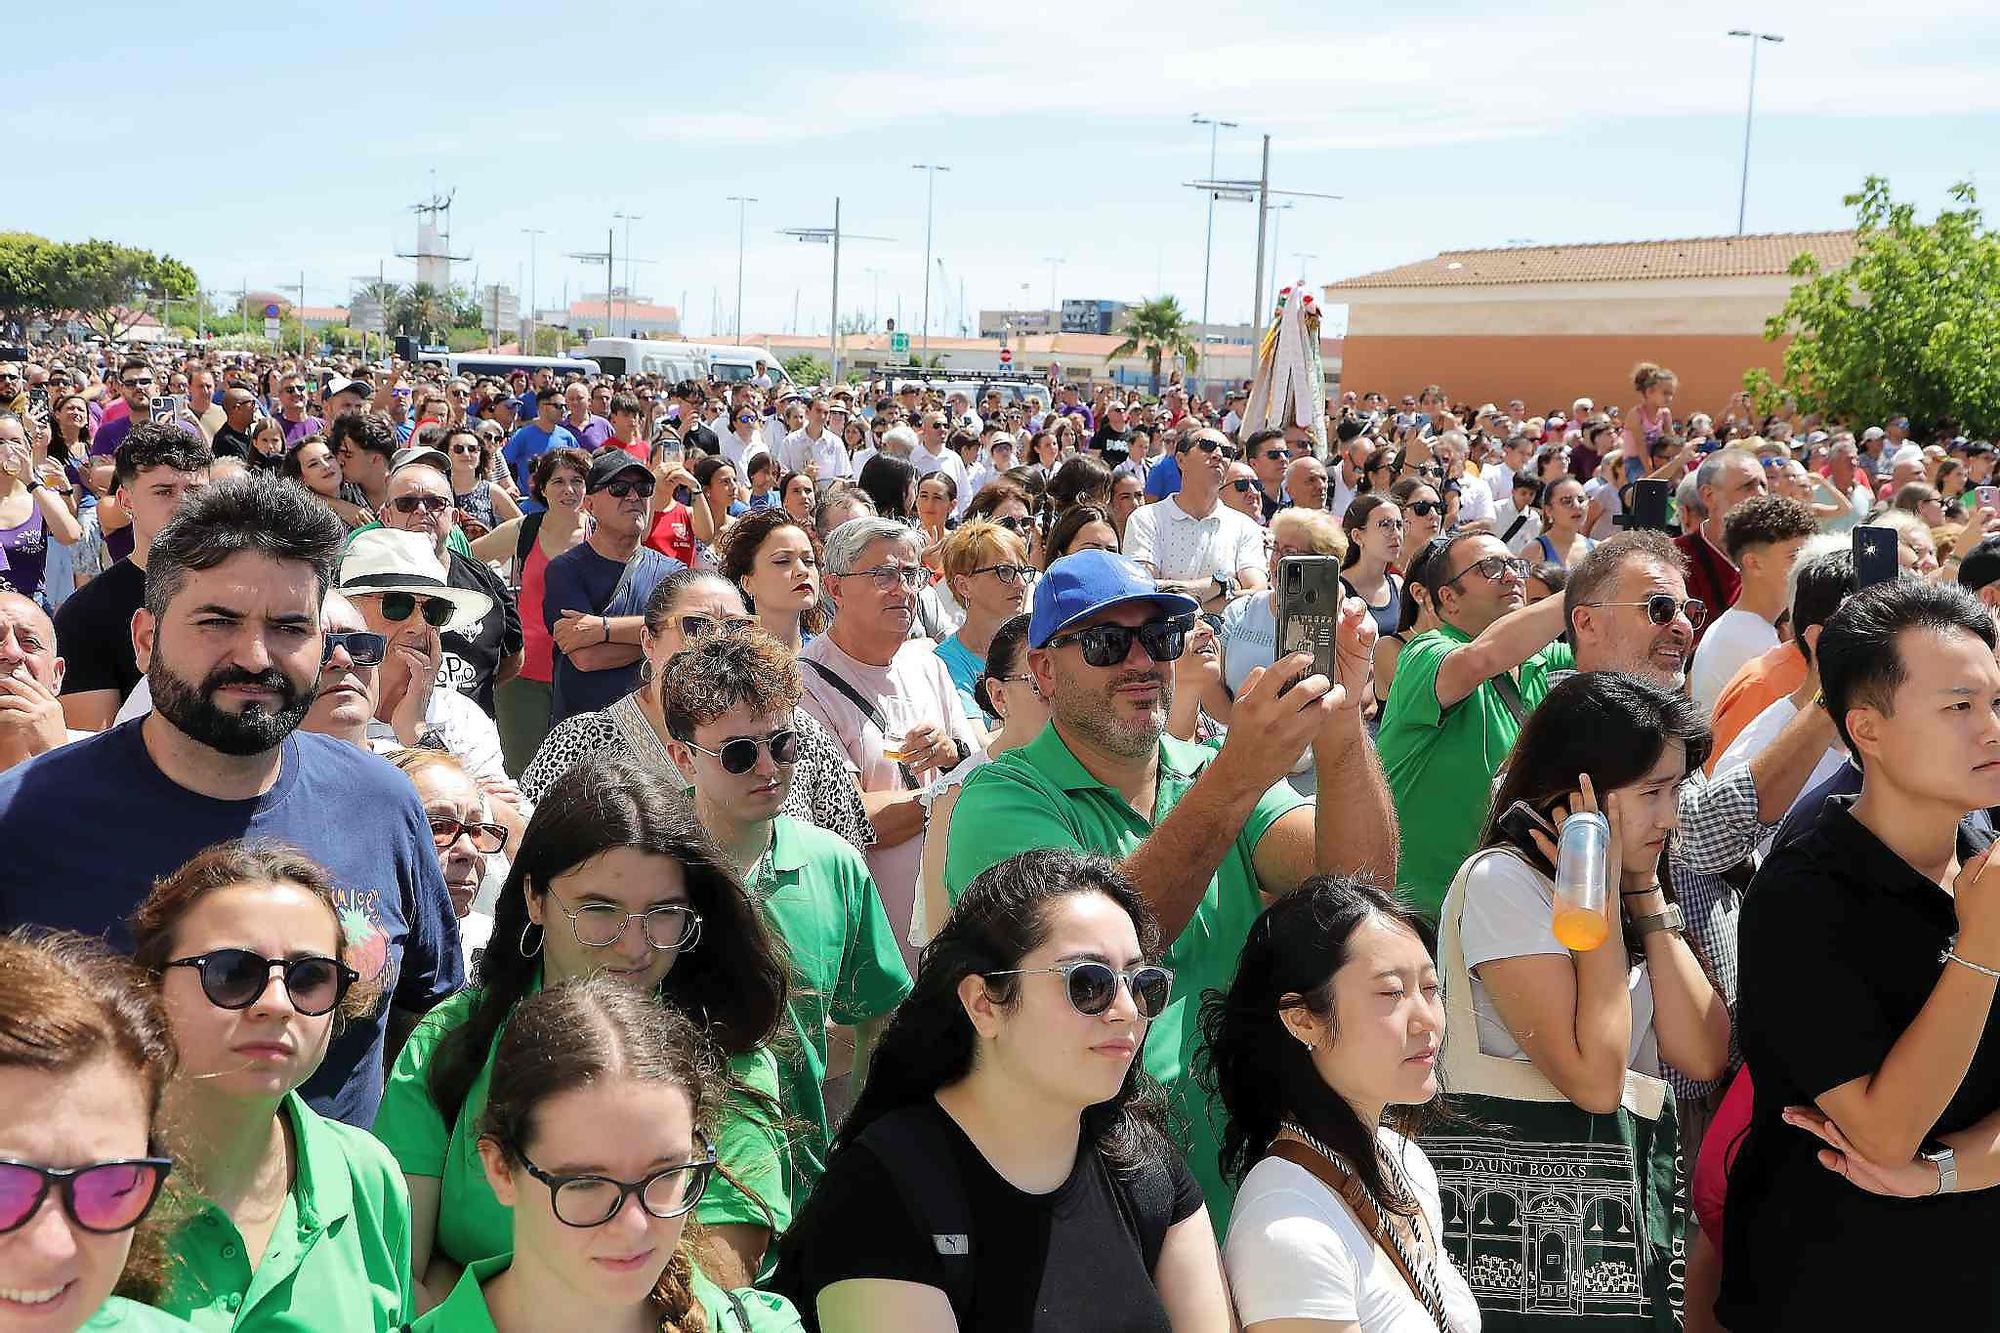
[(1005, 1169), (1322, 1050), (596, 1137)]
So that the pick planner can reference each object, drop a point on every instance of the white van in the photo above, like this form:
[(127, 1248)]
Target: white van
[(499, 365), (728, 364), (671, 361)]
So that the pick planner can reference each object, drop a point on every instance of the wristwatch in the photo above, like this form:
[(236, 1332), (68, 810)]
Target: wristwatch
[(1939, 1154), (1668, 920)]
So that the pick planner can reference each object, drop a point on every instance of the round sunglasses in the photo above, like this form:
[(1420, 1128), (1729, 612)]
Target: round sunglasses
[(585, 1201), (237, 979), (1661, 608), (1109, 645), (103, 1197), (739, 756), (1092, 985)]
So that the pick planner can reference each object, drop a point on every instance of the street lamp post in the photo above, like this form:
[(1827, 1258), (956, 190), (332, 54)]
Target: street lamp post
[(1055, 309), (1208, 245), (534, 310), (930, 170), (821, 235), (742, 202), (1749, 114), (628, 219)]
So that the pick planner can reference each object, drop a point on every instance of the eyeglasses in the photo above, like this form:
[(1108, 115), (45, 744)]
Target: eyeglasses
[(238, 978), (410, 504), (398, 606), (740, 755), (1388, 525), (591, 1201), (361, 647), (1109, 645), (1014, 574), (888, 577), (138, 382), (1493, 568), (488, 838), (1093, 985), (103, 1197), (1246, 485), (1424, 508), (1661, 608), (1015, 524), (289, 388), (601, 925), (700, 627)]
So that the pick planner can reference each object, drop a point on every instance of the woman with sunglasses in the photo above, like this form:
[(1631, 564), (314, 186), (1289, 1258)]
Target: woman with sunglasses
[(770, 556), (1378, 471), (1422, 509), (744, 435), (274, 1209), (1006, 1096), (465, 836), (686, 606), (1562, 540), (1374, 529), (615, 878), (1322, 1052), (1005, 501), (596, 1139), (471, 469), (987, 570), (81, 1031)]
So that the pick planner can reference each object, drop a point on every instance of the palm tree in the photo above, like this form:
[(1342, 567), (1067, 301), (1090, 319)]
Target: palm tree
[(423, 307), (1157, 329)]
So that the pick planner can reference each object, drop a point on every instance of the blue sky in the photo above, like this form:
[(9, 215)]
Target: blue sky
[(254, 140)]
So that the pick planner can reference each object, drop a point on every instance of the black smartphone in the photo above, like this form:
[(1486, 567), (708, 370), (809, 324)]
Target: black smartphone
[(38, 403), (1519, 820), (1646, 504), (1875, 557), (1309, 609)]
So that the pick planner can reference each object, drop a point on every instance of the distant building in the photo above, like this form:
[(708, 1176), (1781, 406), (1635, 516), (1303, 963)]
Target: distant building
[(1549, 323), (631, 317)]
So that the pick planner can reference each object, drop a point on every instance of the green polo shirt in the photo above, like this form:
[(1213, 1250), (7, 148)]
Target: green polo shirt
[(1440, 762), (132, 1317), (1040, 796), (744, 1311), (472, 1224), (816, 892), (341, 1250)]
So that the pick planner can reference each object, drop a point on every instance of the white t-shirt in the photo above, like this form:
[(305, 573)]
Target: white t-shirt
[(1510, 913), (1294, 1251), (1475, 501), (1609, 502), (1504, 515), (1736, 636), (1180, 546), (1758, 734)]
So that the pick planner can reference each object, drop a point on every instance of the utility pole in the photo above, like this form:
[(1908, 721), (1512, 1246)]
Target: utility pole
[(629, 219), (534, 309), (1055, 309), (742, 202), (302, 315), (1208, 245), (930, 170), (1259, 192), (1258, 316), (1749, 115)]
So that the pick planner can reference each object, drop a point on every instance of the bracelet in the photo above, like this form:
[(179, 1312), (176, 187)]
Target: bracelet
[(607, 628), (1951, 956)]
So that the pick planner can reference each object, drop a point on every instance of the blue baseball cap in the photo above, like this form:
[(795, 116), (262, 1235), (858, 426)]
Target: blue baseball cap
[(1079, 586)]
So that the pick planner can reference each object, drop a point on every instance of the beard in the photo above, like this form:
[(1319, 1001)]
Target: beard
[(258, 729), (1093, 714)]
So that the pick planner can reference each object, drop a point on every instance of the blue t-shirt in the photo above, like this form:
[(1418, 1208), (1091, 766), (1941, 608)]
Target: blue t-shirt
[(1163, 478), (531, 442), (582, 580), (88, 827), (965, 667)]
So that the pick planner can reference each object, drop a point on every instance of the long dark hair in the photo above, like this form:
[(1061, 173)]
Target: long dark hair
[(577, 1034), (733, 985), (1261, 1073), (886, 479), (1004, 916)]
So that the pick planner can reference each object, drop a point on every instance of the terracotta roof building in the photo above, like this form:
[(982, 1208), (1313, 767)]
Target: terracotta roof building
[(1550, 323)]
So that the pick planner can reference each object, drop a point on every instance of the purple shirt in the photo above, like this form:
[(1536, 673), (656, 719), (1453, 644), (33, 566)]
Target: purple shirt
[(591, 434), (112, 433), (298, 430)]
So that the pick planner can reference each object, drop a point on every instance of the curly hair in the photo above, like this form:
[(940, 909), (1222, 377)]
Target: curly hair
[(713, 675)]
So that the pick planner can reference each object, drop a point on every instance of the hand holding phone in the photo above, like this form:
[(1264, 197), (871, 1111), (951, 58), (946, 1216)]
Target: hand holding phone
[(1875, 557)]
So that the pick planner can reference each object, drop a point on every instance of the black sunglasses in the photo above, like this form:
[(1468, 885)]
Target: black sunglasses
[(740, 755), (1424, 508), (1093, 985), (1011, 573), (397, 607), (103, 1197), (488, 838), (237, 978), (430, 504), (1493, 568), (361, 647), (1246, 484), (1109, 645), (621, 488)]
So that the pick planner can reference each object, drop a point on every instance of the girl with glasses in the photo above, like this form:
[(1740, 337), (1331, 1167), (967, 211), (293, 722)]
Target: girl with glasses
[(1562, 541), (1374, 528), (274, 1209), (1322, 1051), (81, 1031), (715, 506), (1006, 1096), (465, 835), (471, 458), (986, 567), (596, 1139), (613, 878)]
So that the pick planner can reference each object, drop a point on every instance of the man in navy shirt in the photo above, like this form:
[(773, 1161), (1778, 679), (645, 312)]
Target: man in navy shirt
[(544, 433), (230, 641)]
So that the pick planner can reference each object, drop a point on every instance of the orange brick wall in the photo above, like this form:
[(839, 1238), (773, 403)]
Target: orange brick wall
[(1547, 372)]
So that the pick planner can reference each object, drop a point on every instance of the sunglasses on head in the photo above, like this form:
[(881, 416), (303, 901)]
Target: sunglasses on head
[(102, 1197), (1661, 608), (1109, 645), (397, 607), (237, 979), (700, 627), (740, 755), (362, 648), (410, 504), (1092, 985)]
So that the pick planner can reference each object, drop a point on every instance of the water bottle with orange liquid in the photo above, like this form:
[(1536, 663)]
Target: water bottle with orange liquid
[(1582, 847)]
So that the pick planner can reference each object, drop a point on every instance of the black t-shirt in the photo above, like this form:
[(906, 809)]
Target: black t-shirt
[(230, 442), (1070, 1261), (471, 659), (700, 437), (94, 632), (1840, 944)]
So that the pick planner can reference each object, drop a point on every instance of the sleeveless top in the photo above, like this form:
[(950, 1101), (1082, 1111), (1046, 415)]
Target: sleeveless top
[(538, 648), (478, 502), (26, 546), (1387, 615)]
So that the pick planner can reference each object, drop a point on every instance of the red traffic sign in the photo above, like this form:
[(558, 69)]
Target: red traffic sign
[(1006, 356)]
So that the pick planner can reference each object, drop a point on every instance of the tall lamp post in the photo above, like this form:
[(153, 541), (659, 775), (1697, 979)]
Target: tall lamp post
[(820, 236), (742, 202), (1055, 310), (628, 219), (930, 170), (534, 311), (1756, 39), (1208, 245)]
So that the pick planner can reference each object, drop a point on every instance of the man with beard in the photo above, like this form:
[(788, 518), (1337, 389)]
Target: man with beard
[(230, 641), (1205, 835)]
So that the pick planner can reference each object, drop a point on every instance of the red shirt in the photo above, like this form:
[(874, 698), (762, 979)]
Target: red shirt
[(672, 533), (1711, 579), (631, 447)]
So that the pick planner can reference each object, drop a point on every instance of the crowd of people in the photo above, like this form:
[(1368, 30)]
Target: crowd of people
[(589, 852)]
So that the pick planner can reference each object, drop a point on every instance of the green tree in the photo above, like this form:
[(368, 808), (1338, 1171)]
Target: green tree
[(805, 368), (109, 286), (420, 308), (26, 268), (1911, 325), (1157, 329)]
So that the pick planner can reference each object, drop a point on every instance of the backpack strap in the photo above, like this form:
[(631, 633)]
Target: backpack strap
[(524, 540), (914, 1149)]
